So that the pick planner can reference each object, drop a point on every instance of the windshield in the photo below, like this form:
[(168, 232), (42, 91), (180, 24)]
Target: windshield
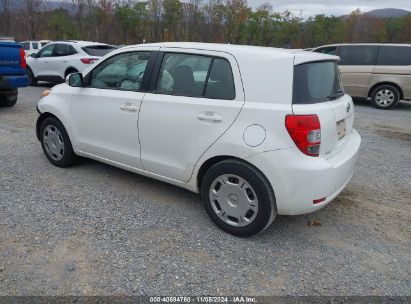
[(98, 50), (316, 82)]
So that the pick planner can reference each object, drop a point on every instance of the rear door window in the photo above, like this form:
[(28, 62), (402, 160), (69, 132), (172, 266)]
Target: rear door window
[(358, 54), (61, 49), (316, 82), (394, 55), (98, 50), (195, 75)]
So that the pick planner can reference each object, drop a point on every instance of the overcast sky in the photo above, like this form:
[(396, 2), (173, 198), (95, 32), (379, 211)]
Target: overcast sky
[(330, 7)]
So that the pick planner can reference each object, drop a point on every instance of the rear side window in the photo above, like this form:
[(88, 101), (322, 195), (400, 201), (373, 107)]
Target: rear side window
[(358, 54), (195, 76), (316, 82), (98, 50), (394, 55), (35, 45), (330, 50)]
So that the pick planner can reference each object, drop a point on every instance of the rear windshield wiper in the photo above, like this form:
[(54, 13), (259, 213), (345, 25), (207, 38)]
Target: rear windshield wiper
[(336, 95)]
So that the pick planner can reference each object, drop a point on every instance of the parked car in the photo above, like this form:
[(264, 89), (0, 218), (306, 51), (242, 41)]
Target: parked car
[(43, 43), (12, 72), (379, 71), (58, 59), (257, 131), (30, 47)]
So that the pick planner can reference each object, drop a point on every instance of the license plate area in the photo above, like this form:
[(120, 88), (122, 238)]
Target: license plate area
[(341, 129)]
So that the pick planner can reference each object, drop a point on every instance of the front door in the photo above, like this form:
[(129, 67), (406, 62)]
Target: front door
[(104, 114)]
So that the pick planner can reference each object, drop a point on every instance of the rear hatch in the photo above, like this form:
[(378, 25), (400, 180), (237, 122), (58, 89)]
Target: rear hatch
[(10, 59), (317, 90)]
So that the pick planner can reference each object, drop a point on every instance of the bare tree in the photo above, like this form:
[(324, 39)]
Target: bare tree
[(5, 4), (29, 16)]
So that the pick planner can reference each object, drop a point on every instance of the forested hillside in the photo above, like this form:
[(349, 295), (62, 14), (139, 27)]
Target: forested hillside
[(228, 21)]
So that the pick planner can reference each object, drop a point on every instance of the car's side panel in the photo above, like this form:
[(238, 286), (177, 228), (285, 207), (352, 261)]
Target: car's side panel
[(399, 75)]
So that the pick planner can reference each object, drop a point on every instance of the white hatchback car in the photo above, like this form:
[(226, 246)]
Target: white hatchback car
[(257, 131), (58, 59)]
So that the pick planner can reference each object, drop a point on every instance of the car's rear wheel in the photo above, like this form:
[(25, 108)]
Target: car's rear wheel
[(32, 80), (56, 143), (8, 100), (238, 198), (385, 97)]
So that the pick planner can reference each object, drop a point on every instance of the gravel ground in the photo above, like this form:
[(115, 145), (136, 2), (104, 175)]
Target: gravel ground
[(97, 230)]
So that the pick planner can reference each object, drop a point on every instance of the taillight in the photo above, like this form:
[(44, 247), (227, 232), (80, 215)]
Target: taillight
[(305, 131), (88, 60), (23, 62)]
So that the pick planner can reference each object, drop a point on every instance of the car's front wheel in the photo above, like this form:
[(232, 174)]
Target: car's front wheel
[(56, 143), (238, 198), (385, 97)]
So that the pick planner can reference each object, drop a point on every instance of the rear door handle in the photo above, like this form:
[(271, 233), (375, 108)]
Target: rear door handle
[(209, 116), (128, 107)]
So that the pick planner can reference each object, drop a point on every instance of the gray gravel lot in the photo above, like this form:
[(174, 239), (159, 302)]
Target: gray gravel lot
[(98, 230)]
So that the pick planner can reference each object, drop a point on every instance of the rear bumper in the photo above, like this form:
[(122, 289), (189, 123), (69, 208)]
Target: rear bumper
[(298, 180), (13, 82)]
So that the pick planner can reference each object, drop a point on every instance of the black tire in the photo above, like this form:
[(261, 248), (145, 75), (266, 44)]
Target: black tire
[(68, 158), (32, 80), (8, 100), (267, 209), (385, 90)]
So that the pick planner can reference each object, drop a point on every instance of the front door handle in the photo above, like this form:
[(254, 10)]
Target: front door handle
[(128, 107), (209, 116)]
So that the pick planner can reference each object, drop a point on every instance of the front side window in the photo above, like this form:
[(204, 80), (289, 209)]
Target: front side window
[(123, 72), (195, 76), (47, 51), (35, 45), (316, 82), (358, 55), (394, 55)]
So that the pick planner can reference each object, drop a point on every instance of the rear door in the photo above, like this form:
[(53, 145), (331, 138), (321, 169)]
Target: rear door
[(59, 62), (317, 90), (194, 99), (356, 66)]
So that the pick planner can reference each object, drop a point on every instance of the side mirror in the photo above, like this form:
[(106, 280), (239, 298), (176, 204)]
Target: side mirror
[(34, 55), (75, 80)]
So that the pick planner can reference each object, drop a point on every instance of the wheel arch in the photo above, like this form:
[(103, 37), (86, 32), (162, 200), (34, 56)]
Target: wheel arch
[(42, 117), (70, 70), (371, 90), (206, 165)]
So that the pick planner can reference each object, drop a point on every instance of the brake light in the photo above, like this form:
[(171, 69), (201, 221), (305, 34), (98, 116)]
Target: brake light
[(305, 131), (88, 60), (23, 62)]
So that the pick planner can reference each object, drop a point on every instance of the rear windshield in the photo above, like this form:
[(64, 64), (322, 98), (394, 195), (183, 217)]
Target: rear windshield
[(98, 50), (316, 82)]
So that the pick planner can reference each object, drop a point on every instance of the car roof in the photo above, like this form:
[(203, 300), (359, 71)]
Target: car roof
[(268, 53), (79, 43), (365, 43)]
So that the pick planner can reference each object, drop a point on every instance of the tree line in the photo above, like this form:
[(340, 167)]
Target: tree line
[(223, 21)]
